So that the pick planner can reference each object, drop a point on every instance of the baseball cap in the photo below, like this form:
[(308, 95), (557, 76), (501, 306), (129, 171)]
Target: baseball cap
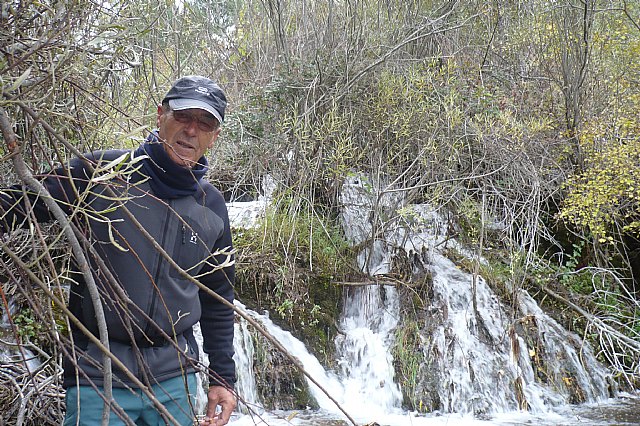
[(194, 91)]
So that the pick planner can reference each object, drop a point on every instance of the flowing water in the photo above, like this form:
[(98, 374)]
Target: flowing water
[(485, 358), (622, 411), (246, 384), (369, 318)]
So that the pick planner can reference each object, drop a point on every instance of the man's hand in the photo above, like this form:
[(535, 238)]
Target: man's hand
[(223, 397)]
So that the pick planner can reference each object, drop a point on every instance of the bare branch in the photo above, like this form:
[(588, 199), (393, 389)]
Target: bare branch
[(23, 173)]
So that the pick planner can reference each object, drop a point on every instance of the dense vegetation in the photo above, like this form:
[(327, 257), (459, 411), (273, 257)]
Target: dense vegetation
[(520, 118)]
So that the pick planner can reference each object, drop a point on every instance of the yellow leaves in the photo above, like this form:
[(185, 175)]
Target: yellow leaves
[(606, 194)]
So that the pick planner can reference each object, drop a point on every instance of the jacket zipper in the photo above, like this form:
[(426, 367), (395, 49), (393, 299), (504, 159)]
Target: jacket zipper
[(156, 275)]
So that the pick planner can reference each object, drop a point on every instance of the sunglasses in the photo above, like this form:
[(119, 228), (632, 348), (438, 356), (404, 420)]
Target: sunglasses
[(206, 123)]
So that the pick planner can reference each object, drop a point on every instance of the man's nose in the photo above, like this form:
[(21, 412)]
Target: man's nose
[(192, 126)]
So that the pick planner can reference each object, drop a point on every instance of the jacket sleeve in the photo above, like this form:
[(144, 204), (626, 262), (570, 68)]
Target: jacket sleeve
[(62, 184), (217, 319)]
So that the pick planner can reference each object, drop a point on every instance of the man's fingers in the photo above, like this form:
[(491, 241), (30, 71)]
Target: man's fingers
[(222, 402), (212, 410), (224, 416)]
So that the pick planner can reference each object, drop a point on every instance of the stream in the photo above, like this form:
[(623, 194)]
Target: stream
[(481, 365)]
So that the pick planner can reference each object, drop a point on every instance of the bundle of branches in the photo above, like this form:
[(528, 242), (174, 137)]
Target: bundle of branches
[(32, 394)]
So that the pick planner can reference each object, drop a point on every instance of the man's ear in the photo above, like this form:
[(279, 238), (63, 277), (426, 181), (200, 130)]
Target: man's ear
[(215, 136), (160, 113)]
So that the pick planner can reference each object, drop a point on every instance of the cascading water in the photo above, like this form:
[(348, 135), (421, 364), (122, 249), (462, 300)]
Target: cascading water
[(369, 317), (487, 362), (566, 357), (327, 379), (478, 354), (482, 359), (245, 386), (367, 375)]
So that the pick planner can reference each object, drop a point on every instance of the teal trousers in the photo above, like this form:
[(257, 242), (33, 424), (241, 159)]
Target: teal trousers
[(85, 405)]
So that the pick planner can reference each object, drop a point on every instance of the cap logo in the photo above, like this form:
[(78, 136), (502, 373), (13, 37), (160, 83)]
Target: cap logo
[(202, 90)]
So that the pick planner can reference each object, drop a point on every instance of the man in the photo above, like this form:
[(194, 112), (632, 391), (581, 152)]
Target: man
[(154, 229)]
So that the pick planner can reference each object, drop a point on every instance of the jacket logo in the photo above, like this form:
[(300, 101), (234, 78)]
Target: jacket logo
[(194, 238)]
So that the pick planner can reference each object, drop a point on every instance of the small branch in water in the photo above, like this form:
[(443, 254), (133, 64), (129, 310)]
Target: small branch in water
[(363, 283), (374, 281)]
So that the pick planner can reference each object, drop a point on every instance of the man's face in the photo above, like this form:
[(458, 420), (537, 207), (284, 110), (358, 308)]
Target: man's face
[(183, 134)]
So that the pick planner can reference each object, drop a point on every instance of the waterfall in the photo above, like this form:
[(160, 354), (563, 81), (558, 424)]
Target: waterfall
[(203, 382), (243, 346), (482, 359), (359, 387), (369, 314), (487, 363), (369, 318), (570, 362), (243, 356), (473, 359), (326, 379)]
